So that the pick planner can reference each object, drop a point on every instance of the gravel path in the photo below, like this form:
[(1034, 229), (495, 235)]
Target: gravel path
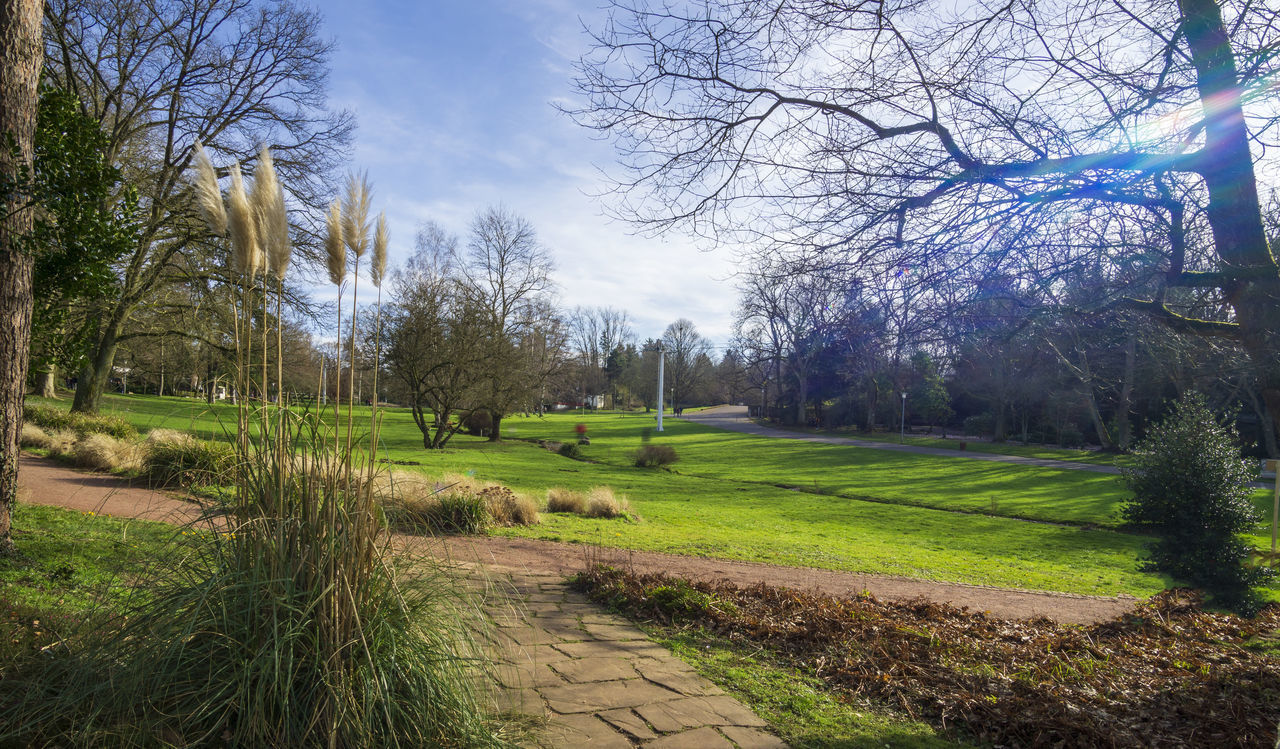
[(50, 483)]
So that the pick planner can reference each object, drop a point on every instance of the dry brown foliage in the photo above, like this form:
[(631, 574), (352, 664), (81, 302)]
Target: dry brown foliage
[(603, 503), (1170, 675), (565, 500)]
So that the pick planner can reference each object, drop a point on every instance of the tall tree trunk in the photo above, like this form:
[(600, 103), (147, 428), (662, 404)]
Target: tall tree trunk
[(1234, 210), (1265, 421), (48, 380), (495, 434), (1095, 415), (999, 432), (873, 392), (1124, 429), (97, 374), (20, 59)]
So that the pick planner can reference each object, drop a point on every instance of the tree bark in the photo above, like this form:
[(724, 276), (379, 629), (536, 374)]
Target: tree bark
[(48, 381), (1234, 210), (1124, 428), (97, 372), (20, 58), (495, 434)]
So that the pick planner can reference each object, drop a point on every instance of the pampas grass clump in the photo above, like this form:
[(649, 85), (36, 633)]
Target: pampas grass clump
[(565, 500), (62, 443), (602, 503), (177, 459), (33, 436), (102, 452)]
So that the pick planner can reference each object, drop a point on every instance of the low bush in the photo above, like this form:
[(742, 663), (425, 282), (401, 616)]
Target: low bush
[(655, 456), (454, 512), (602, 503), (1191, 488), (177, 459), (565, 500), (506, 507), (52, 417), (980, 425), (478, 423), (570, 450)]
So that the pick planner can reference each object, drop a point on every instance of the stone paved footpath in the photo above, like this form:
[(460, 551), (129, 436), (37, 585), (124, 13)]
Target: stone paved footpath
[(597, 680)]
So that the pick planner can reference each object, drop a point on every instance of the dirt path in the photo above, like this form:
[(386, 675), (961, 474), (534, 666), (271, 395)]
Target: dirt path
[(49, 483)]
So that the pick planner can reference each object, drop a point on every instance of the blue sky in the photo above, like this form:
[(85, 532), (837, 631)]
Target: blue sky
[(454, 104)]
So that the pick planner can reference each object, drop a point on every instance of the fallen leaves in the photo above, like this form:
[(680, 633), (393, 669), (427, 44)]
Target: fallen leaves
[(1170, 675)]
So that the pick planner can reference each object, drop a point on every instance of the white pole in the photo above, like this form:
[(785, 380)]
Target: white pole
[(662, 357), (902, 422)]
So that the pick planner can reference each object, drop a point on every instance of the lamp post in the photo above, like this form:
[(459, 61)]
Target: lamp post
[(662, 354), (902, 422)]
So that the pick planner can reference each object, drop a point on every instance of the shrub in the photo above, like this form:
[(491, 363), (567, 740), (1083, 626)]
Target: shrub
[(506, 507), (33, 436), (1191, 488), (455, 512), (565, 500), (177, 459), (479, 423), (102, 452), (980, 425), (52, 417), (1071, 437), (601, 503), (570, 450), (655, 456)]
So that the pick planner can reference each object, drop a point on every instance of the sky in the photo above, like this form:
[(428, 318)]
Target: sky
[(454, 104)]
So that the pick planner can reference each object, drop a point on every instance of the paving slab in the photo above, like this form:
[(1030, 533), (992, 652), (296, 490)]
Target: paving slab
[(752, 738), (698, 738), (597, 679)]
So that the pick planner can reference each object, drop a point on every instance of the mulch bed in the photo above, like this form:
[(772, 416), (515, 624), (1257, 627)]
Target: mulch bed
[(1169, 675)]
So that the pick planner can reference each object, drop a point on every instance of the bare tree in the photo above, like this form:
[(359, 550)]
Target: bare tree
[(161, 76), (596, 333), (505, 271), (684, 347), (19, 76), (1119, 136), (433, 335)]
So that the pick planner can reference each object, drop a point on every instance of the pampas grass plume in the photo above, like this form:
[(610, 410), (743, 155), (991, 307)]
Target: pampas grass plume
[(335, 258), (379, 268), (244, 230), (273, 222), (355, 214), (208, 196)]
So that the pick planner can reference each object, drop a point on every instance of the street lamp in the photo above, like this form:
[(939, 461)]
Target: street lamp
[(662, 354), (902, 423)]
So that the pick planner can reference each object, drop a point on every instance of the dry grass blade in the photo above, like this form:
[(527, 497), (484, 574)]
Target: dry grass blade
[(269, 212), (380, 237), (335, 255), (244, 227), (355, 214), (208, 196)]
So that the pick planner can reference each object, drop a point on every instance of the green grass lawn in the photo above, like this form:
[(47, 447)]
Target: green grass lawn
[(974, 446)]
